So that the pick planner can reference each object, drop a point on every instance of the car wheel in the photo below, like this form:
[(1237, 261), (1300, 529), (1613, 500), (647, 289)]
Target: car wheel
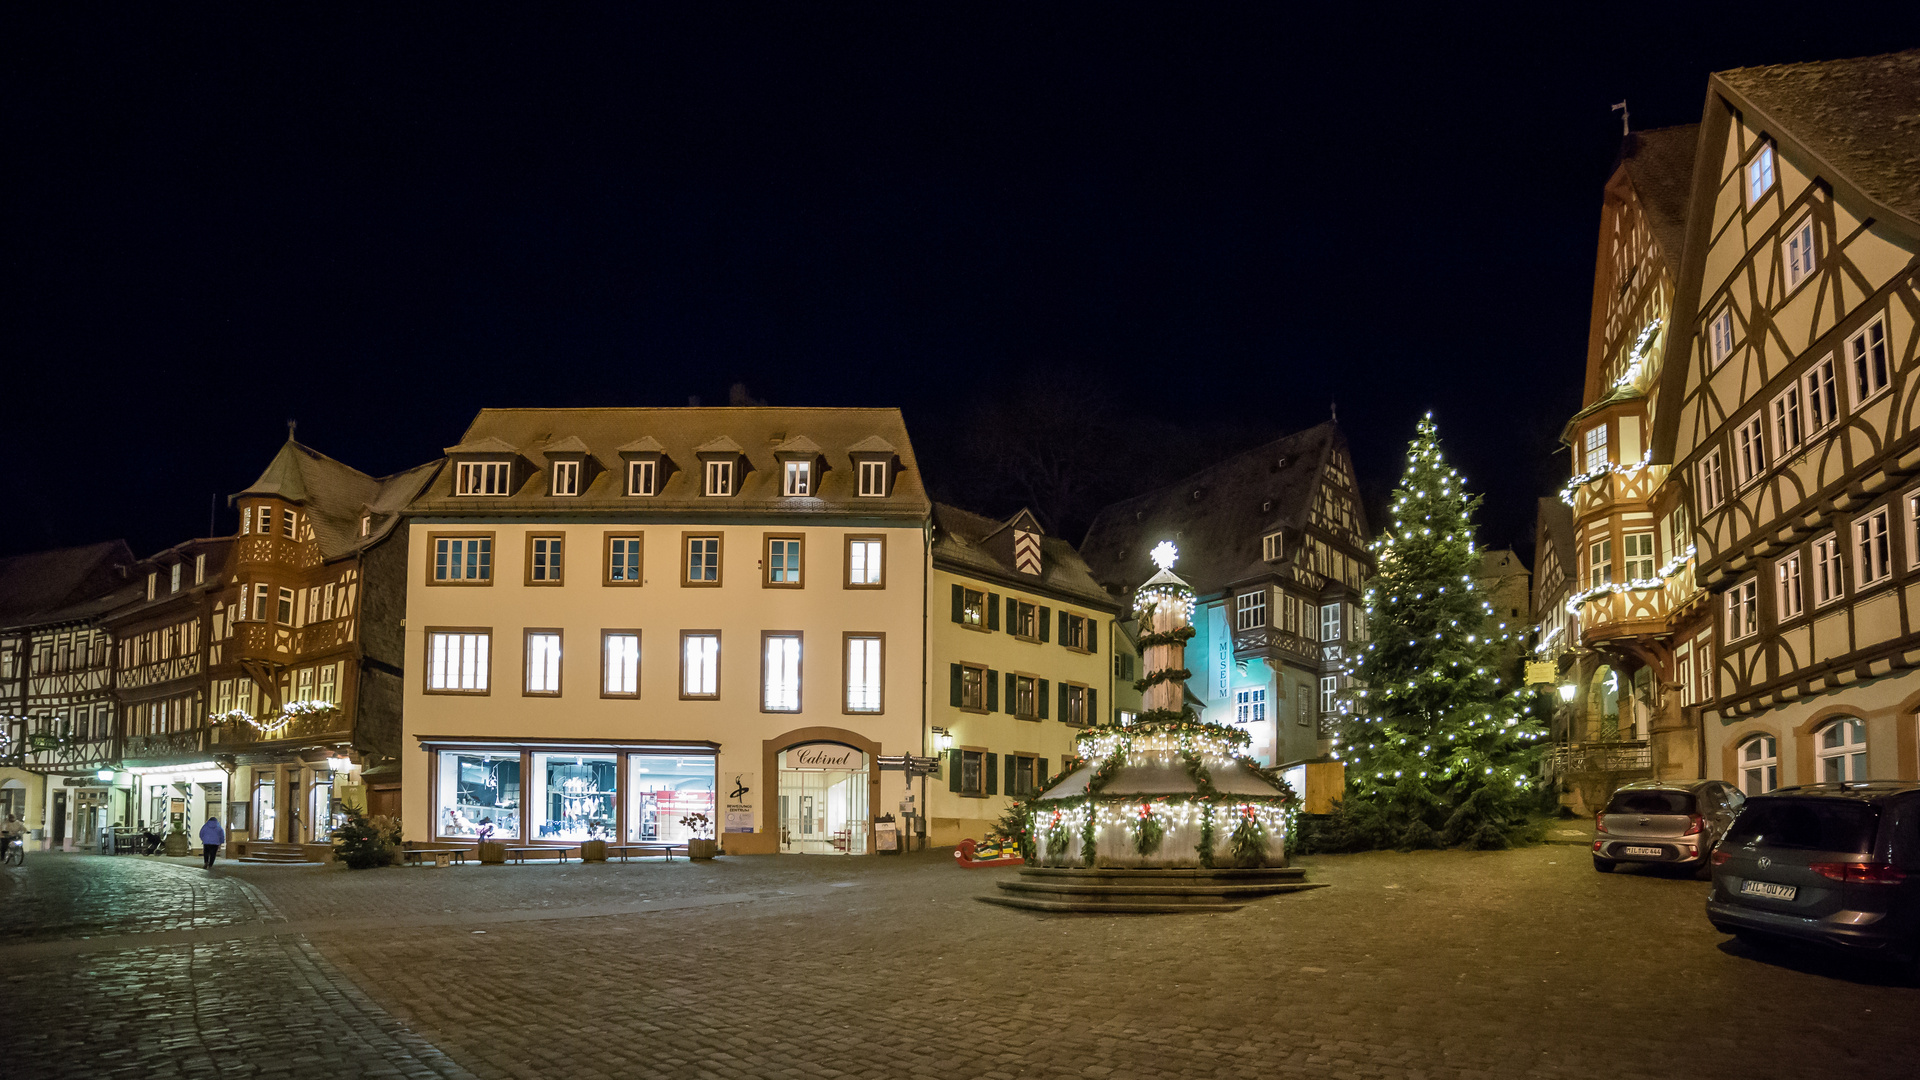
[(1703, 872), (1605, 866)]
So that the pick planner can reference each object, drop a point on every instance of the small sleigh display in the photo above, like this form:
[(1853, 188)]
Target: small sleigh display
[(976, 855)]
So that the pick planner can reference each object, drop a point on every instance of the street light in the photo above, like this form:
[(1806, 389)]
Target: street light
[(1567, 690), (942, 739)]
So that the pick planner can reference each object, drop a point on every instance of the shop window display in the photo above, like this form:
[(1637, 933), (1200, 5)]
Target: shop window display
[(480, 792), (573, 796), (663, 789)]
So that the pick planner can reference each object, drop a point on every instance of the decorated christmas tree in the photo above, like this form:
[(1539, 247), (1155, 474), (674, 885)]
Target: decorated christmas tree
[(1439, 740)]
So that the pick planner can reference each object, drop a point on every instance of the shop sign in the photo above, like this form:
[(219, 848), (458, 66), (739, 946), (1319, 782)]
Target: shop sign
[(1222, 648), (823, 756), (739, 810)]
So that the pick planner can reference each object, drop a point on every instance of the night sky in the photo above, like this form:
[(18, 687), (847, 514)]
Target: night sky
[(377, 224)]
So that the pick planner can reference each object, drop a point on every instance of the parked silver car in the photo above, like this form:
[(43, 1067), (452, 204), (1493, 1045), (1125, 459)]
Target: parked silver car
[(1664, 822)]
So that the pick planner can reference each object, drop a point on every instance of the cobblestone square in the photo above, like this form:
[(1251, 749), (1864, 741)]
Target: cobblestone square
[(1434, 964)]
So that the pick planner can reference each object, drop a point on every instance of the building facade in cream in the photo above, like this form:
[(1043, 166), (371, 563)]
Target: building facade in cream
[(619, 619), (1021, 644)]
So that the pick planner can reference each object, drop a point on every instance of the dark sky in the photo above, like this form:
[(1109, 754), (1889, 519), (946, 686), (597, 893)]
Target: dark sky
[(377, 223)]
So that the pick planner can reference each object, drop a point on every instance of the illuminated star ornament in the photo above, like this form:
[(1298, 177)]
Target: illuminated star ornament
[(1164, 554)]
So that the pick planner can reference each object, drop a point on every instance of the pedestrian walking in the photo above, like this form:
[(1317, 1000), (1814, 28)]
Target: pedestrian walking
[(212, 835), (13, 831)]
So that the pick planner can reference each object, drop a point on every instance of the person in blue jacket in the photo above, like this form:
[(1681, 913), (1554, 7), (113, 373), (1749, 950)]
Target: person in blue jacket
[(212, 835)]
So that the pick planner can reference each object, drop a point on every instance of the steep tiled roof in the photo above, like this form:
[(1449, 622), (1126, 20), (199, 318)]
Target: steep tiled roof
[(681, 436), (1861, 116), (37, 586), (1660, 163), (334, 495), (1216, 517), (962, 541)]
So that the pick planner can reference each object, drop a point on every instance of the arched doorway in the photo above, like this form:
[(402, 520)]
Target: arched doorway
[(1603, 707), (824, 791)]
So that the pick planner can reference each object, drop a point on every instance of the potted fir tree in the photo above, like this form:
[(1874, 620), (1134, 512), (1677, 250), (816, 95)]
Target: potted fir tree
[(701, 845), (594, 847)]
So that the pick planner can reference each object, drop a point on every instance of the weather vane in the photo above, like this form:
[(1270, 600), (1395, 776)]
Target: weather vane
[(1164, 554)]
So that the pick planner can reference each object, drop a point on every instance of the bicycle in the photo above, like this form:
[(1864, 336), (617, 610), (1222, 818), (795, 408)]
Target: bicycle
[(16, 853)]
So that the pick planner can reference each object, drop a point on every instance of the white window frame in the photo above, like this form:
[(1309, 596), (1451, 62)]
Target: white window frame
[(290, 523), (866, 673), (1822, 397), (866, 561), (546, 559), (284, 608), (1873, 548), (1720, 337), (1829, 572), (174, 577), (873, 479), (719, 479), (458, 661), (1329, 694), (796, 478), (1758, 759), (484, 478), (566, 478), (1912, 504), (1679, 533), (1330, 621), (1683, 671), (1789, 425), (1799, 252), (1749, 451), (1639, 565), (262, 593), (1596, 442), (1271, 547), (780, 673), (1250, 705), (1848, 752), (620, 663), (700, 665), (366, 525), (543, 663), (1760, 174), (1713, 482), (457, 550), (624, 559), (1868, 362), (1743, 610), (1250, 610), (1789, 589), (642, 477), (1600, 563)]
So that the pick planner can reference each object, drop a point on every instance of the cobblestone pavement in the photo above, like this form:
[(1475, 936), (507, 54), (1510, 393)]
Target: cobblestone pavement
[(1522, 963)]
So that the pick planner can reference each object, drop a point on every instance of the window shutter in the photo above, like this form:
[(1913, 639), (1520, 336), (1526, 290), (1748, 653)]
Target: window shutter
[(1093, 705), (1064, 711), (1046, 624), (1011, 789), (993, 611), (993, 691), (959, 604), (1093, 635), (1042, 695), (990, 774), (956, 685), (953, 770), (1040, 773), (1013, 699)]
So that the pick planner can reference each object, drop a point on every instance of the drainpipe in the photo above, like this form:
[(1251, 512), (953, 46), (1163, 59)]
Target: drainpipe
[(926, 646)]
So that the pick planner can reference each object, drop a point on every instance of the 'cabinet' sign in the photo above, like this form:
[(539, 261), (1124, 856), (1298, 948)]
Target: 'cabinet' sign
[(823, 756)]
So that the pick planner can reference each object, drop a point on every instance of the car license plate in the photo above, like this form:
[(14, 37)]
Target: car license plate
[(1653, 851), (1768, 890)]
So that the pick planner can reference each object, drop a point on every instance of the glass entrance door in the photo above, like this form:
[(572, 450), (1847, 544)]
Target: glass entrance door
[(824, 811)]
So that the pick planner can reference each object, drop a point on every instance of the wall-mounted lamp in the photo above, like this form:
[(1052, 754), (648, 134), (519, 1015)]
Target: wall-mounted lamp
[(105, 776), (1567, 690), (942, 739), (339, 764)]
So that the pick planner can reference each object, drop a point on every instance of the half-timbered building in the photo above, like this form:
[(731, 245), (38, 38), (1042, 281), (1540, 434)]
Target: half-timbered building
[(1793, 422), (1275, 544)]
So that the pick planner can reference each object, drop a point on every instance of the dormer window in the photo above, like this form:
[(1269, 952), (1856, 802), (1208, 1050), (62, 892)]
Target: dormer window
[(797, 478), (174, 584), (566, 478), (484, 478), (643, 477), (719, 478), (873, 479), (200, 569), (152, 579), (366, 524), (1270, 547), (1760, 174)]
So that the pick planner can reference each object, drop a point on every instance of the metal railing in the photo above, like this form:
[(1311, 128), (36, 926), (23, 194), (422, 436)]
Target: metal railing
[(1598, 757)]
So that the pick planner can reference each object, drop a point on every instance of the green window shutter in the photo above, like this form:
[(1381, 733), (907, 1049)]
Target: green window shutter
[(1013, 699), (1093, 705), (1064, 711), (1093, 635), (1046, 624), (1040, 773), (956, 685), (959, 604), (953, 770), (993, 611), (990, 774), (1042, 696), (1011, 789), (1063, 626), (993, 691)]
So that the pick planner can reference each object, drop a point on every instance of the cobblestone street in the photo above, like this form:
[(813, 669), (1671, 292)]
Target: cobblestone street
[(1521, 963)]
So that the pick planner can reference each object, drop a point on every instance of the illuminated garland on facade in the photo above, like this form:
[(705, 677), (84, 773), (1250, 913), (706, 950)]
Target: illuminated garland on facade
[(291, 711), (1583, 479), (1673, 567), (1636, 357)]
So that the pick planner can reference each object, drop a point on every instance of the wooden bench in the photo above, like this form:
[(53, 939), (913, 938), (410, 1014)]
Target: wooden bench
[(624, 850), (521, 854), (435, 856)]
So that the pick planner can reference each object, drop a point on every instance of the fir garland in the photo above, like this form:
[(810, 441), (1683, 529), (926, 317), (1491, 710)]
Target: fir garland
[(1164, 674), (1206, 837), (1148, 831), (1088, 848), (1168, 637), (1057, 838), (1248, 844)]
